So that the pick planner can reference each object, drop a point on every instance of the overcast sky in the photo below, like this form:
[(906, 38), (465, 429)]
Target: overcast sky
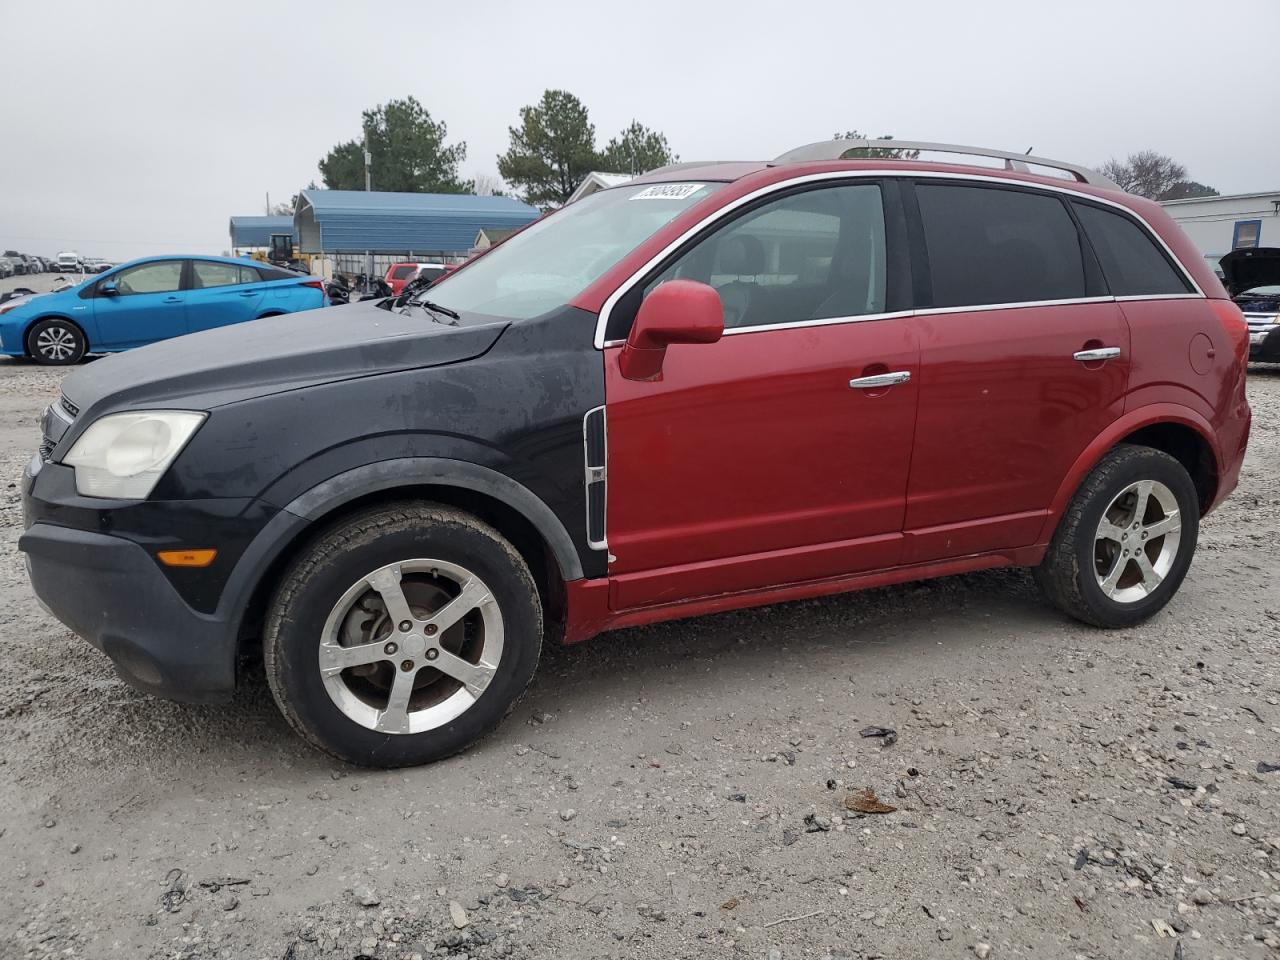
[(132, 128)]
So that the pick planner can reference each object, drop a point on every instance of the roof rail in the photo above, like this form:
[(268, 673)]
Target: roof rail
[(836, 149)]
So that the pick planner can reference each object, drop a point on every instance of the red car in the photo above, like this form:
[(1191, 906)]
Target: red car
[(713, 387), (398, 274)]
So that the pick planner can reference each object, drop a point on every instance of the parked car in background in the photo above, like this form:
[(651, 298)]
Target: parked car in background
[(6, 267), (398, 274), (19, 262), (148, 300), (1252, 277), (70, 262), (95, 265), (810, 375)]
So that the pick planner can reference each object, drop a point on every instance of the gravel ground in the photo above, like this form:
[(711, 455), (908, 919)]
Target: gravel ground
[(679, 790)]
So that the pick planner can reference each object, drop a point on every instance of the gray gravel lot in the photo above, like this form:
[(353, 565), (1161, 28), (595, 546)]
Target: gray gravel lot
[(677, 791)]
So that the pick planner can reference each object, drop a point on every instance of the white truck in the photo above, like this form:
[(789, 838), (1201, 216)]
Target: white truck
[(70, 262)]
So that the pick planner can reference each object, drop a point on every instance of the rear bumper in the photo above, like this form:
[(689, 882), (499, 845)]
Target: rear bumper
[(111, 593)]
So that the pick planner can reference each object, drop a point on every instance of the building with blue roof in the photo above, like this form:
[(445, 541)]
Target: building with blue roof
[(248, 232), (418, 224)]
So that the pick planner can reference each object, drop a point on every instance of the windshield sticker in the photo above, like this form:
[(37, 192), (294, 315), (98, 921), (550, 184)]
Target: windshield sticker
[(669, 191)]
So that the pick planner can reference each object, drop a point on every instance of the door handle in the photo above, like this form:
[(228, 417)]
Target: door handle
[(880, 380), (172, 300), (248, 293), (1100, 353)]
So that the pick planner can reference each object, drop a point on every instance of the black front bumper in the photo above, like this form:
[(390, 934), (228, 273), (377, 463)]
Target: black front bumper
[(170, 632), (1267, 348), (110, 592)]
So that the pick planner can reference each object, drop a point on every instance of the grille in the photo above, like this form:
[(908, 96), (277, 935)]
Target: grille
[(46, 450), (595, 447)]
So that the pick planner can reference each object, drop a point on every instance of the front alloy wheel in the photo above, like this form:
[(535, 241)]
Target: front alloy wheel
[(411, 646), (56, 342), (402, 635)]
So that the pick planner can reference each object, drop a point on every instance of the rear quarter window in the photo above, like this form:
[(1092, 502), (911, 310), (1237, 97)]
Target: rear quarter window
[(1131, 260)]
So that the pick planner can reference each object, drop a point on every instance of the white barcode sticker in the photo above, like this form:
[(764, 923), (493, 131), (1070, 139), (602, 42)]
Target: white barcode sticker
[(669, 191)]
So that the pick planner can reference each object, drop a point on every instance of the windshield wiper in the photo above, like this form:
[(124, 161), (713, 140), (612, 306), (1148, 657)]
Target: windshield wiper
[(435, 308)]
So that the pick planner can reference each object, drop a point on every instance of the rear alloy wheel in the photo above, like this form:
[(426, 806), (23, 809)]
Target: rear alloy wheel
[(1126, 541), (56, 342), (402, 635)]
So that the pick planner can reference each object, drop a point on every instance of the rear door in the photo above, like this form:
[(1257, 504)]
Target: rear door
[(148, 304), (755, 461), (1024, 361), (223, 293)]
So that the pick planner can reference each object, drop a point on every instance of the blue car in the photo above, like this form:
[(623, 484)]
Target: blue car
[(148, 300)]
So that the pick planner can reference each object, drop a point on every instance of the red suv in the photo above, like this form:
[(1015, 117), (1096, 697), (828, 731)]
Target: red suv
[(715, 386), (398, 274)]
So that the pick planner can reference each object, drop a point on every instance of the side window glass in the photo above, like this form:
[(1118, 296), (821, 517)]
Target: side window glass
[(1132, 263), (205, 274), (991, 246), (164, 276), (814, 255), (249, 275)]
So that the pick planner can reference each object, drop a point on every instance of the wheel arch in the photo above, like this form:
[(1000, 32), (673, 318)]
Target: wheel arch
[(1176, 430), (505, 504)]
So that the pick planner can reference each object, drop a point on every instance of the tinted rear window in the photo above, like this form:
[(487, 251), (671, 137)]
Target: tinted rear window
[(1131, 261), (990, 245), (402, 272)]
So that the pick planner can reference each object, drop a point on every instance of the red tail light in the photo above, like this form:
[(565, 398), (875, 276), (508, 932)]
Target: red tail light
[(314, 284), (1237, 328)]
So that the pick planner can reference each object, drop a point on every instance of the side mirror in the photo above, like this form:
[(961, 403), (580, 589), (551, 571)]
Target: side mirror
[(678, 311), (107, 289)]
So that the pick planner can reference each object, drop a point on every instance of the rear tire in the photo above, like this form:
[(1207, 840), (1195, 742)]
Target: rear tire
[(1126, 541), (56, 342), (362, 654)]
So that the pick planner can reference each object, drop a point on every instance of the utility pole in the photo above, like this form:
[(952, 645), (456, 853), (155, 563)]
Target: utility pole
[(368, 159), (368, 186)]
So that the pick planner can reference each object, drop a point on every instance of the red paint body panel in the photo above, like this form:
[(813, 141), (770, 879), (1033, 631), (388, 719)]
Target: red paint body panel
[(749, 452), (1004, 412), (748, 472), (588, 611)]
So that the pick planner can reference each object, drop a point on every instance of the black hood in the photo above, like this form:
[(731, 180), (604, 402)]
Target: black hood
[(1246, 269), (274, 354)]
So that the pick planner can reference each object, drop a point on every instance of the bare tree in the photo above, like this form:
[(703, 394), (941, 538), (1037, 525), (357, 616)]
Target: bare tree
[(488, 185), (1154, 176)]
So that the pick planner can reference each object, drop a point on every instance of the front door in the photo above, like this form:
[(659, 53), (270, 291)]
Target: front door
[(148, 305), (769, 457), (1024, 361)]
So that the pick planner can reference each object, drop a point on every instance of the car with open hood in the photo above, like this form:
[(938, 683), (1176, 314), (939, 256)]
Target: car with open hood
[(1252, 277), (714, 386)]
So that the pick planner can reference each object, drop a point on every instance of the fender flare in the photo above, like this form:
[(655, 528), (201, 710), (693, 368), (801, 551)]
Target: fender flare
[(1119, 429), (439, 471)]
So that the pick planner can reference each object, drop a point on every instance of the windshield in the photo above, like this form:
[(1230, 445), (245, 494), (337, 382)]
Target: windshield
[(1270, 290), (549, 263)]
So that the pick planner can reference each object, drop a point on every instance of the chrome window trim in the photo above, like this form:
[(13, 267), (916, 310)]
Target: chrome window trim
[(602, 322)]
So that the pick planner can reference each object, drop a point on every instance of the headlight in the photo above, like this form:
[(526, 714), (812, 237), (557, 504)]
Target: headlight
[(122, 456)]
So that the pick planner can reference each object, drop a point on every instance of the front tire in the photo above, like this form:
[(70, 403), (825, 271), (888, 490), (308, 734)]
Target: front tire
[(402, 635), (1126, 541), (56, 342)]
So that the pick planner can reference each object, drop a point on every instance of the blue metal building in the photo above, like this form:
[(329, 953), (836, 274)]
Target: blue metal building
[(443, 224), (257, 231)]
